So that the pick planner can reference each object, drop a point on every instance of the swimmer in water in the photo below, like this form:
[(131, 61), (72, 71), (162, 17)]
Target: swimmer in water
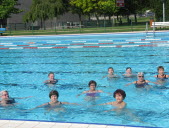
[(54, 95), (141, 82), (92, 92), (129, 73), (111, 73), (52, 79), (161, 76), (6, 100), (119, 95)]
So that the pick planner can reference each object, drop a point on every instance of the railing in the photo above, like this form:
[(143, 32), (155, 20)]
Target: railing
[(74, 28)]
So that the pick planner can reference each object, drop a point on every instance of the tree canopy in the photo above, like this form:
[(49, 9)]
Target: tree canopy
[(45, 9), (7, 7), (48, 9)]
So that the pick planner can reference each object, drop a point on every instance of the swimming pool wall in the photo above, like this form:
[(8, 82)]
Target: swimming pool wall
[(48, 124)]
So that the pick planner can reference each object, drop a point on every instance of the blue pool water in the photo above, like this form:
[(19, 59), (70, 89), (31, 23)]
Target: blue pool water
[(77, 60)]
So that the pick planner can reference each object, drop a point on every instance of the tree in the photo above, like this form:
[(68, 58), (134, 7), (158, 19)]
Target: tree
[(7, 7), (107, 8), (45, 9), (157, 7), (95, 7), (76, 8)]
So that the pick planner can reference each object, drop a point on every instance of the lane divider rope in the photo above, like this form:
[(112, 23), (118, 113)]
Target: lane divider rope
[(13, 45), (114, 46)]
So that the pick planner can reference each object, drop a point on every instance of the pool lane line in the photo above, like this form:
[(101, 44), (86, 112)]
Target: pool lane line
[(85, 41), (114, 46), (12, 45)]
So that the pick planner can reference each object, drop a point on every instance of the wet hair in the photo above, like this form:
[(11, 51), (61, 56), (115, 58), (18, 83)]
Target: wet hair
[(54, 92), (128, 68), (92, 82), (1, 92), (160, 67), (119, 91), (140, 73), (110, 68), (51, 73)]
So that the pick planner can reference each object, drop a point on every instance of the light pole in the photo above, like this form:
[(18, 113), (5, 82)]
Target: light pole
[(163, 10)]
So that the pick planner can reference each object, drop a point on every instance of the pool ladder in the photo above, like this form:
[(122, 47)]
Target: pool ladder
[(149, 34)]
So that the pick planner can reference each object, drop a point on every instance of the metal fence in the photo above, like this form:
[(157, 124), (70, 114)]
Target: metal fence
[(75, 27)]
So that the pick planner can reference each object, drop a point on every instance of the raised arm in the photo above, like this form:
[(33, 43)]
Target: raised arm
[(69, 103), (37, 107), (152, 82), (23, 97), (130, 83), (82, 93), (104, 76), (109, 103)]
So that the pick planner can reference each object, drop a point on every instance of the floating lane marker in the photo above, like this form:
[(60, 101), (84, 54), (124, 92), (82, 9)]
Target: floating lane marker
[(91, 46), (82, 41), (148, 45), (6, 43), (78, 44), (134, 40), (4, 48), (152, 39), (105, 40), (78, 41), (105, 43), (30, 47), (59, 47), (17, 48), (35, 45), (75, 47), (115, 46)]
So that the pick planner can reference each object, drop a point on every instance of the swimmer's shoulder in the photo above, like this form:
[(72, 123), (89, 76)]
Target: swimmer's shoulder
[(156, 76), (135, 82), (46, 81), (123, 105), (99, 91), (167, 76), (85, 92)]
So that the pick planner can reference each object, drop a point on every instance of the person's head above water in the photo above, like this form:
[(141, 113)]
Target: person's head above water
[(119, 92), (140, 74), (4, 94), (110, 70), (51, 75), (53, 93), (128, 70), (160, 69), (92, 83)]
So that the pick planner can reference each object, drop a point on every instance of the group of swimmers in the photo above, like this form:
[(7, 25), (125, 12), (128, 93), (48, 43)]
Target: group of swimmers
[(119, 94), (141, 82)]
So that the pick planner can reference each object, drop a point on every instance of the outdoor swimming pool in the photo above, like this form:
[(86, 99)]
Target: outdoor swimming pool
[(76, 59)]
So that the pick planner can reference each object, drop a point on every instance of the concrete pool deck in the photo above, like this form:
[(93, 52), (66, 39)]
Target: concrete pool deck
[(37, 124)]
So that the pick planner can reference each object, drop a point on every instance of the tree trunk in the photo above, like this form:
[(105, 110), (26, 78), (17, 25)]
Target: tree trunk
[(117, 17), (89, 17), (113, 24), (110, 22), (128, 20), (135, 17), (109, 18), (97, 17), (44, 25), (41, 24), (1, 23), (80, 19)]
